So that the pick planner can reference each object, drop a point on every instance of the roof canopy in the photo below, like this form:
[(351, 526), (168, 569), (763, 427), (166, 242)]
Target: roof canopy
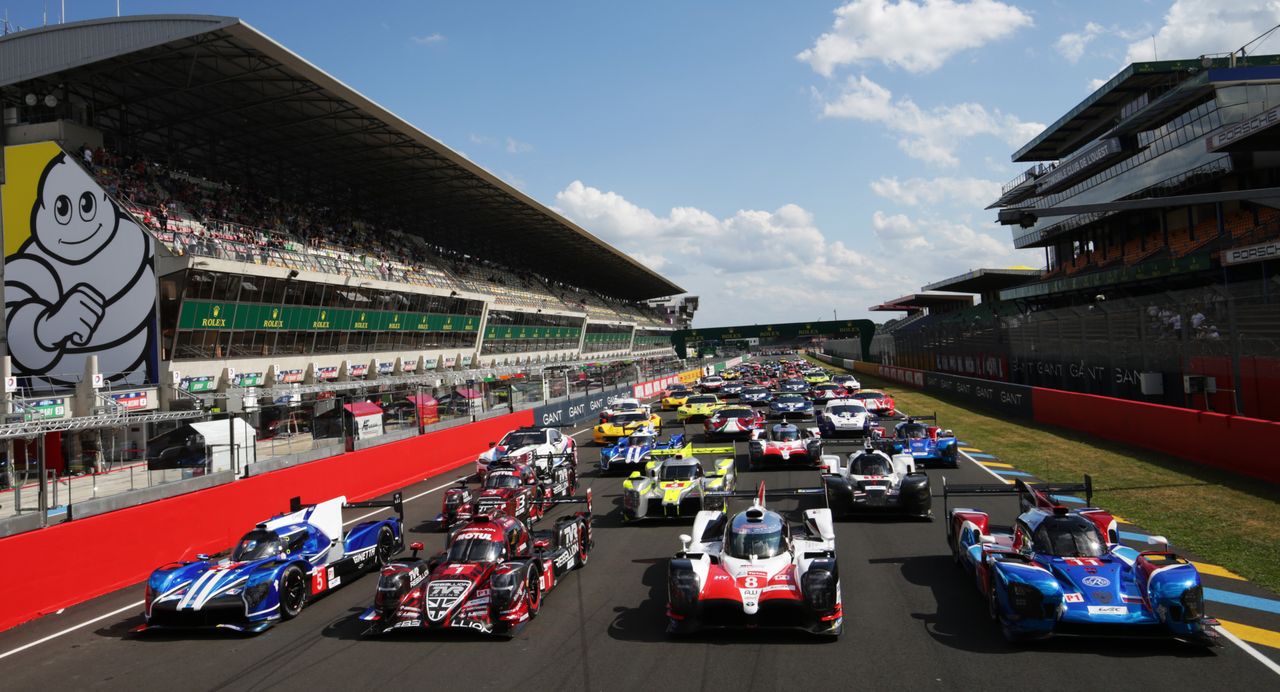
[(984, 281), (934, 300), (213, 92)]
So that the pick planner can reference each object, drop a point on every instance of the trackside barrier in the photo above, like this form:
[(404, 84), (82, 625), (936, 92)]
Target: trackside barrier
[(1233, 443), (131, 542), (1009, 399), (578, 409)]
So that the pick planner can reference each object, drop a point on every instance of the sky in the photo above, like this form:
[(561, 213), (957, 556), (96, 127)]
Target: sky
[(784, 161)]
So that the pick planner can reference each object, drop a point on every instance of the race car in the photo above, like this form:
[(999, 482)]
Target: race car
[(823, 392), (732, 389), (619, 406), (755, 395), (876, 401), (631, 452), (793, 385), (275, 569), (784, 442), (511, 487), (847, 418), (674, 487), (817, 376), (730, 374), (752, 570), (849, 382), (698, 407), (733, 421), (542, 447), (872, 481), (790, 406), (623, 424), (710, 384), (1063, 572), (490, 578), (675, 397), (925, 443)]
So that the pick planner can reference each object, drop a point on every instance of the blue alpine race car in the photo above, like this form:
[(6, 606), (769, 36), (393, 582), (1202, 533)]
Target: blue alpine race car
[(925, 443), (274, 570), (1063, 572), (631, 452)]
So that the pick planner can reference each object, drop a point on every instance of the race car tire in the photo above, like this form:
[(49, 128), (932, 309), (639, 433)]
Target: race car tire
[(293, 591), (533, 594), (584, 548), (384, 550), (993, 604)]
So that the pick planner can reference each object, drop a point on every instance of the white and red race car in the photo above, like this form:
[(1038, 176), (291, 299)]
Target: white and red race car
[(740, 420), (543, 448), (752, 570), (784, 442)]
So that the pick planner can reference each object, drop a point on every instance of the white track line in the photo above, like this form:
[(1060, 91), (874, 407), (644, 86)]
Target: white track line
[(131, 606), (1275, 667), (979, 465)]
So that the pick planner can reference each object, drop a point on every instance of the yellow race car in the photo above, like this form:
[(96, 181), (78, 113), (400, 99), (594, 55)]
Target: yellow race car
[(674, 487), (675, 397), (697, 407), (625, 423), (817, 377), (729, 374)]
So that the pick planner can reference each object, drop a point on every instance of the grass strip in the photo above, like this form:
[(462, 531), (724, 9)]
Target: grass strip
[(1221, 518)]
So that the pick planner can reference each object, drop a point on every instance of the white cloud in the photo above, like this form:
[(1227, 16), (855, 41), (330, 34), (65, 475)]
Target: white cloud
[(515, 146), (429, 39), (1072, 45), (943, 248), (928, 135), (916, 36), (482, 139), (1196, 27), (1096, 84), (974, 192)]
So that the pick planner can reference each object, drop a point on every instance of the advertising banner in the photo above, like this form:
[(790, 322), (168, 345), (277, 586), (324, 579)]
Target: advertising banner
[(579, 409), (1013, 399), (204, 314)]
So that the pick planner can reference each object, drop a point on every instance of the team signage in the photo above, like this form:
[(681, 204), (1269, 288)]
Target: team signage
[(1252, 253), (1088, 160), (1230, 134)]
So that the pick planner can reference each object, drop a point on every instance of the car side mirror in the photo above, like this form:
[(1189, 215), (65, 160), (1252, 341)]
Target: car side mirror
[(635, 475), (202, 557), (1158, 540), (685, 542), (986, 539)]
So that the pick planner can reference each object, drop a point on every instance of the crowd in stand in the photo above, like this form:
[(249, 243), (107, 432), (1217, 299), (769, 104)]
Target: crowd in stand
[(195, 215)]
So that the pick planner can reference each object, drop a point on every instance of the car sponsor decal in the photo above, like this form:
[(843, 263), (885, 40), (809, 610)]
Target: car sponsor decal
[(1108, 610), (1072, 598), (1095, 581), (443, 595)]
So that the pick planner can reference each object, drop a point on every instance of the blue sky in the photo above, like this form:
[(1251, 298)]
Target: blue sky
[(779, 159)]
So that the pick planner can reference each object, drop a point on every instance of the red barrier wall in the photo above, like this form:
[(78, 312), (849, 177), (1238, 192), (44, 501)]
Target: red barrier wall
[(1233, 443), (121, 548)]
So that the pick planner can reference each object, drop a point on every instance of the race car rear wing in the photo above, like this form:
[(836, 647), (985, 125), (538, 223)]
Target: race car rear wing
[(691, 449), (574, 500), (396, 503), (762, 493), (1039, 495)]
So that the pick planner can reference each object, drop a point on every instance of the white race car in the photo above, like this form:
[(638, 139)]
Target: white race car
[(873, 481), (845, 418), (542, 448), (749, 570)]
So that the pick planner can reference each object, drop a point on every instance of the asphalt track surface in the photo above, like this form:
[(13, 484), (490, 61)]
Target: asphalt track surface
[(912, 621)]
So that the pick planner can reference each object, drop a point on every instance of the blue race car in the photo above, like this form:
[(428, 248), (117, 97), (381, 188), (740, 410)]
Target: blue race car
[(1063, 572), (631, 452), (789, 405), (274, 570), (925, 443)]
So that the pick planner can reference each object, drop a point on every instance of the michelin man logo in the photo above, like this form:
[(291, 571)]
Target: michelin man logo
[(83, 284)]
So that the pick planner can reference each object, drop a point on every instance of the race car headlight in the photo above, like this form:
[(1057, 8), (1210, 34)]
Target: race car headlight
[(820, 589), (391, 589), (255, 593), (504, 587), (1192, 603), (683, 589), (1026, 600)]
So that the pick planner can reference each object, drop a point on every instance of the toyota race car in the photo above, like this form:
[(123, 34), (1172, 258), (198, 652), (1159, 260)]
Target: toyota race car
[(698, 407), (784, 442), (845, 418), (631, 452), (876, 401), (675, 487), (274, 570), (1063, 572), (925, 443), (750, 570), (623, 424), (540, 446), (490, 578), (872, 481), (733, 421)]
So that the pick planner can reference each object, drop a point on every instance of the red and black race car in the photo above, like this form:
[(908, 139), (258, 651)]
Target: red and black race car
[(490, 578), (511, 488)]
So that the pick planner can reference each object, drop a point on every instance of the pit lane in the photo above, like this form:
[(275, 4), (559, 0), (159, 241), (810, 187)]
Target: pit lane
[(912, 620)]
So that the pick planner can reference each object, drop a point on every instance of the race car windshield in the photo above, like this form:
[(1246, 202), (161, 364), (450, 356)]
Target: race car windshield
[(256, 545), (754, 542), (870, 465), (845, 410), (1069, 536), (736, 413), (630, 417), (475, 550), (791, 399), (503, 480), (708, 399), (754, 390), (867, 395), (914, 431), (516, 440), (678, 472), (626, 406), (786, 434)]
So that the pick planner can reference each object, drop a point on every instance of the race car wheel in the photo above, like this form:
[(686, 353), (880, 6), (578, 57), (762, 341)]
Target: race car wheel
[(293, 591), (386, 547), (533, 594), (993, 605), (584, 549)]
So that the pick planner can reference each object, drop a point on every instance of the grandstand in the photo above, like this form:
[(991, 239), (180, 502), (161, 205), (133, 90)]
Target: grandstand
[(268, 227), (1155, 203)]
